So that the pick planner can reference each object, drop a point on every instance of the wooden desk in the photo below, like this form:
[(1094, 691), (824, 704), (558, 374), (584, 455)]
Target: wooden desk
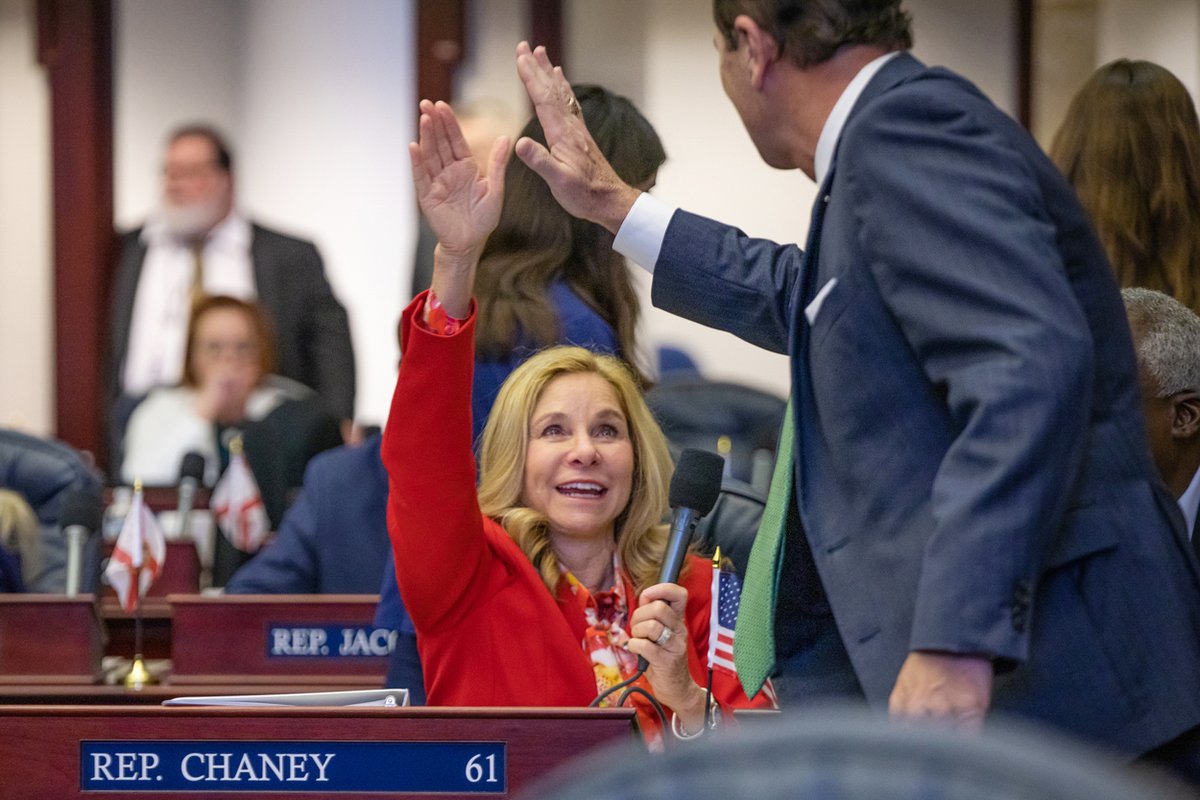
[(49, 639), (156, 628), (276, 639), (233, 644), (50, 752)]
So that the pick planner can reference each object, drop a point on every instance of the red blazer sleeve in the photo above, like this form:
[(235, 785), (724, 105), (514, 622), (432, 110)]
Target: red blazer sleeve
[(437, 531)]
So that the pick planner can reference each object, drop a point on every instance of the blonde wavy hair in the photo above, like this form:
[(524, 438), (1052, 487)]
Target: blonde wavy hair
[(639, 532), (19, 532)]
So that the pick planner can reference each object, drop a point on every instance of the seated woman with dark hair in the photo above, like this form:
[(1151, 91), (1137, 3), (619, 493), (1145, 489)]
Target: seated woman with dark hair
[(539, 588), (228, 387)]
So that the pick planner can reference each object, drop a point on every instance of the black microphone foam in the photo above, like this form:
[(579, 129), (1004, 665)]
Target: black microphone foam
[(192, 467), (697, 480), (694, 490), (81, 507)]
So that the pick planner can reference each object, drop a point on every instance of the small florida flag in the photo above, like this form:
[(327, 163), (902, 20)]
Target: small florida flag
[(237, 504), (138, 556)]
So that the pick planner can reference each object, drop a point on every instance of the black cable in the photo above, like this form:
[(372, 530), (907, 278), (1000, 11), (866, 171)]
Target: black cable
[(600, 697), (658, 709)]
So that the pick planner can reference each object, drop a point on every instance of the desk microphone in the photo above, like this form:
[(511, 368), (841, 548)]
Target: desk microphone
[(81, 514), (191, 473), (694, 489)]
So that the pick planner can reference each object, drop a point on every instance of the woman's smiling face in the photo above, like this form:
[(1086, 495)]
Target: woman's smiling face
[(579, 463)]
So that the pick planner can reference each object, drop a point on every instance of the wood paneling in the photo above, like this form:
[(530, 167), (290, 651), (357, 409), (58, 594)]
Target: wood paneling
[(75, 46)]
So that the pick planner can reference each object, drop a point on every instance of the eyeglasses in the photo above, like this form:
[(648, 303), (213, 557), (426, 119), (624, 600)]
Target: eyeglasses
[(242, 351)]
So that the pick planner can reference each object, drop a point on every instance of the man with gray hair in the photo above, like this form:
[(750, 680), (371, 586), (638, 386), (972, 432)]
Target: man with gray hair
[(1166, 334)]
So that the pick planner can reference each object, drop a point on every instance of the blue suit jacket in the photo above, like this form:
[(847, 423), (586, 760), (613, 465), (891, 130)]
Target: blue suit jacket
[(971, 465), (333, 539)]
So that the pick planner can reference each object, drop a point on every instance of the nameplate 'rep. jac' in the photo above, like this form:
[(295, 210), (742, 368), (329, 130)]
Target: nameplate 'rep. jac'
[(328, 641)]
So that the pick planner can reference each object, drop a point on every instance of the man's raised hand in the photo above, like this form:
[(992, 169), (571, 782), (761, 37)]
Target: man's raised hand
[(579, 177)]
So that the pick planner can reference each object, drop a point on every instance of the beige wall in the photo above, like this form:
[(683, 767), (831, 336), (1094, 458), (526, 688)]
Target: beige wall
[(26, 283)]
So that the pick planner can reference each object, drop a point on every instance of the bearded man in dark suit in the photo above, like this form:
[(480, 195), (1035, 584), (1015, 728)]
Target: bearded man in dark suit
[(199, 243)]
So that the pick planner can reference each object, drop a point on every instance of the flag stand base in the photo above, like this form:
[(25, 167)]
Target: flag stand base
[(138, 675)]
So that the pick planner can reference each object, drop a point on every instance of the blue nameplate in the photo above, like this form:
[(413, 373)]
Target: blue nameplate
[(301, 640), (318, 767)]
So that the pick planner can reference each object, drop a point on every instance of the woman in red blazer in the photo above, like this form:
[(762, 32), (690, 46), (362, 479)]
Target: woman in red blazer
[(539, 588)]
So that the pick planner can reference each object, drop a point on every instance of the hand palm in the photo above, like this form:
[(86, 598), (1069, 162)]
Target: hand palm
[(461, 206)]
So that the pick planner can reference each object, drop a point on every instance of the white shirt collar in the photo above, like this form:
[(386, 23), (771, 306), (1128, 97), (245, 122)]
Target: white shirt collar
[(832, 131), (233, 231), (1189, 503)]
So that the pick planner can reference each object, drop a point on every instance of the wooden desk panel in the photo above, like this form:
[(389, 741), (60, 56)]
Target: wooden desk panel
[(224, 639), (49, 639), (156, 628), (41, 749)]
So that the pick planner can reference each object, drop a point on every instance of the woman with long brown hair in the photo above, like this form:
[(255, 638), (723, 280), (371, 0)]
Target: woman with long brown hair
[(1130, 145), (548, 278)]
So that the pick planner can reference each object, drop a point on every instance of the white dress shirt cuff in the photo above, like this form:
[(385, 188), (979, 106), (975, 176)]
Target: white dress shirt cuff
[(641, 235)]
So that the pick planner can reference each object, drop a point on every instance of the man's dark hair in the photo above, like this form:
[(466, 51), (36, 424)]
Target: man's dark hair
[(811, 31), (214, 137)]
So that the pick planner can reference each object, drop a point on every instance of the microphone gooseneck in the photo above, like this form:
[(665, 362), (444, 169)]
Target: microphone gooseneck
[(80, 519), (191, 473)]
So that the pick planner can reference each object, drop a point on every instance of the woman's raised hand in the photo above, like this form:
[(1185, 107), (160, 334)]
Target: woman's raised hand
[(461, 202)]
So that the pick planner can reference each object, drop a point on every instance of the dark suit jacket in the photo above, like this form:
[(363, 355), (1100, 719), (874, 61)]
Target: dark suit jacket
[(971, 465), (311, 329), (333, 540)]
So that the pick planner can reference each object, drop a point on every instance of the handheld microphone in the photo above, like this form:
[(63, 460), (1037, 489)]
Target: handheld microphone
[(694, 489), (191, 473), (81, 514), (693, 493)]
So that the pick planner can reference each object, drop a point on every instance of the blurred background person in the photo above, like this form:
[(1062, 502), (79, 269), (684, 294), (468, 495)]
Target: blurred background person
[(20, 558), (198, 243), (1130, 145), (229, 389), (547, 278), (43, 472), (1166, 334), (333, 538)]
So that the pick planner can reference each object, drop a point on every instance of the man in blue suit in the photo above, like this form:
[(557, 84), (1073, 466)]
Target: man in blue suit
[(333, 539), (975, 524)]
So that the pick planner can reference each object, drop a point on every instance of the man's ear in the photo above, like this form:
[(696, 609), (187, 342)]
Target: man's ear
[(761, 48), (1185, 416)]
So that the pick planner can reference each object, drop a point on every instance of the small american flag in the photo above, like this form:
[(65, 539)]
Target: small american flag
[(727, 595)]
